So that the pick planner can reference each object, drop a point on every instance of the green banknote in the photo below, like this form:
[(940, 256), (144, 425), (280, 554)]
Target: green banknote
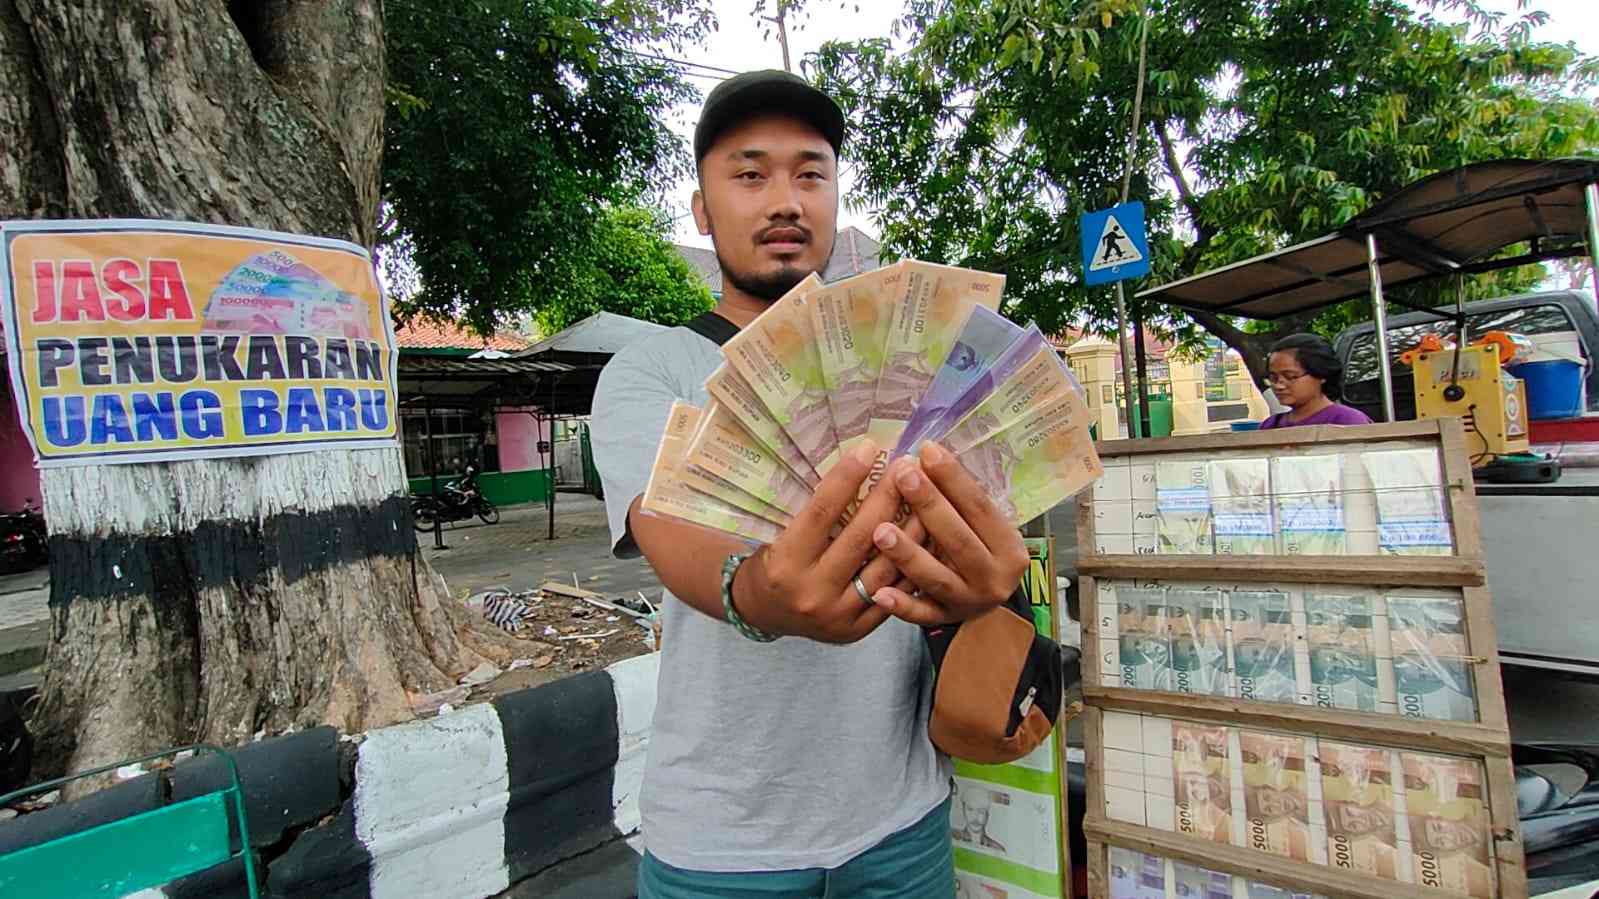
[(776, 354), (667, 494), (1263, 645), (1343, 651), (1432, 668), (1143, 643), (1198, 641), (723, 448), (850, 320), (1038, 462), (728, 387)]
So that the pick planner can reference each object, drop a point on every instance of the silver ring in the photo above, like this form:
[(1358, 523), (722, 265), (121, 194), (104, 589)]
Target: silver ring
[(860, 590)]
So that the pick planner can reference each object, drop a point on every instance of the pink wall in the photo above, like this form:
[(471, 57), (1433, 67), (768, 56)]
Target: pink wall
[(520, 434), (19, 480)]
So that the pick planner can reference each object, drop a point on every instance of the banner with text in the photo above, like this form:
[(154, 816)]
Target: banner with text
[(143, 341)]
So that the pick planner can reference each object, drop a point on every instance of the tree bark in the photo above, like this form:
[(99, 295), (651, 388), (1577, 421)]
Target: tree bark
[(209, 600)]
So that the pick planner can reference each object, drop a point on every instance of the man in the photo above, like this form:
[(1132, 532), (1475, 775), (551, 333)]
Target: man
[(797, 766)]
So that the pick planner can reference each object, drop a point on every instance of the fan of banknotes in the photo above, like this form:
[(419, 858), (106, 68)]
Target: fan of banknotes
[(899, 356)]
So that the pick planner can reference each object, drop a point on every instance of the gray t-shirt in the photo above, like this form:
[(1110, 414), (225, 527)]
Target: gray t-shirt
[(763, 757)]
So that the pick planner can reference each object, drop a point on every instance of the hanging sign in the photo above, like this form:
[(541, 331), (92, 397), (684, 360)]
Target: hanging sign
[(142, 341)]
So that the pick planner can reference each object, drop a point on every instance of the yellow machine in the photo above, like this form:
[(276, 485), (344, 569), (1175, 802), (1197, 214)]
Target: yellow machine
[(1472, 384)]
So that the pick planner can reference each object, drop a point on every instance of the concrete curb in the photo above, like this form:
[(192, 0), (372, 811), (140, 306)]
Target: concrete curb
[(539, 787)]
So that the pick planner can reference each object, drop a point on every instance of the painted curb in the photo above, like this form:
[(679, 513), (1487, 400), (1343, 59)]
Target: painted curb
[(533, 793)]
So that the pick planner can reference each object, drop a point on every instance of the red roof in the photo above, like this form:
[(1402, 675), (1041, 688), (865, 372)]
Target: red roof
[(425, 334)]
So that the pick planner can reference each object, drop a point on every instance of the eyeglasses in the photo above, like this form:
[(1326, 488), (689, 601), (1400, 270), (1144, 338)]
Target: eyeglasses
[(1275, 378)]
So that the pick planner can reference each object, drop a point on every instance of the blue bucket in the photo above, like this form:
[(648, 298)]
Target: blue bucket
[(1554, 388), (1246, 426)]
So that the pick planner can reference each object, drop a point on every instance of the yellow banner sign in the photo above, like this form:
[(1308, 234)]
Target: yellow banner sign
[(141, 341)]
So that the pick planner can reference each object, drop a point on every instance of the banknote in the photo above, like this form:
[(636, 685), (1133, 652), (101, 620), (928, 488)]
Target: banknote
[(1194, 882), (1357, 791), (1240, 503), (1198, 626), (1143, 641), (276, 293), (1134, 875), (1036, 463), (983, 339), (1310, 504), (849, 319), (777, 355), (1201, 781), (1182, 507), (922, 327), (1450, 838), (1040, 380), (728, 387), (1411, 518), (1009, 361), (708, 483), (1432, 669), (723, 448), (667, 494), (1340, 638), (1263, 645), (1276, 793)]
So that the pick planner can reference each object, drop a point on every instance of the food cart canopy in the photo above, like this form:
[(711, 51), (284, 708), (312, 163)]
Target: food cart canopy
[(1450, 223)]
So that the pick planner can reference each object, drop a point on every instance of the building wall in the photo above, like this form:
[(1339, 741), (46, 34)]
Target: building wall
[(519, 435), (19, 480)]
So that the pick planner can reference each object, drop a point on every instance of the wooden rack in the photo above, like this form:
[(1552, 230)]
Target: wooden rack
[(1486, 739)]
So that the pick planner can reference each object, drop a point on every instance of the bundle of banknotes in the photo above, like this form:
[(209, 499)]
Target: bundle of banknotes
[(1399, 653), (1405, 816), (910, 353), (275, 293)]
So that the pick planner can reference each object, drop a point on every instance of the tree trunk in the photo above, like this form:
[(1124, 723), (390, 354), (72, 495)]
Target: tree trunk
[(209, 600)]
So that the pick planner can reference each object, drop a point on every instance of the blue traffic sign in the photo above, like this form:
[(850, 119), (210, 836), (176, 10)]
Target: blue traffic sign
[(1114, 246)]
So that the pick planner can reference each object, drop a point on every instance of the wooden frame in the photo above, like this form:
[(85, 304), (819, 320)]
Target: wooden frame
[(1487, 739)]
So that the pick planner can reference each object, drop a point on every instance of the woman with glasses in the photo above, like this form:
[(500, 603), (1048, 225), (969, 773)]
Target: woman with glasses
[(1305, 375)]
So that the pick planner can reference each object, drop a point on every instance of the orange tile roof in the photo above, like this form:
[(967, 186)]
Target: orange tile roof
[(426, 334)]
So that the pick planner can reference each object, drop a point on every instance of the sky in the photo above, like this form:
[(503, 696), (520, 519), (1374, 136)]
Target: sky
[(739, 46)]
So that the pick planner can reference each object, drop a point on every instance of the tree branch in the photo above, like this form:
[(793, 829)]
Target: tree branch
[(1185, 191)]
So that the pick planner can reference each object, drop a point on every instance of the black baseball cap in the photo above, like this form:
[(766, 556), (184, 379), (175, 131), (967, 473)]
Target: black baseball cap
[(766, 91)]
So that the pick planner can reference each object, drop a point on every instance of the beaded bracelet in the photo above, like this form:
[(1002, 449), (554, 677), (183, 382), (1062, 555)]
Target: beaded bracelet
[(730, 568)]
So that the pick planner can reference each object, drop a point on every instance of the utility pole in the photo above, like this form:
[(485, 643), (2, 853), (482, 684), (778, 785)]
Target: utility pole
[(780, 20), (1134, 422)]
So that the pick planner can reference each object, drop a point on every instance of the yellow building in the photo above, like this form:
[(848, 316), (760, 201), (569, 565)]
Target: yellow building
[(1207, 394)]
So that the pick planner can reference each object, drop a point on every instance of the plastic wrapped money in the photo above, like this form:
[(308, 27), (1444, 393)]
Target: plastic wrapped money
[(667, 494), (1240, 505), (1194, 882), (1343, 651), (777, 356), (728, 387), (1263, 646), (1411, 517), (1198, 628), (1432, 669), (849, 319), (1256, 890), (982, 341), (1134, 875), (1358, 802), (1201, 781), (1039, 461), (1042, 378), (1309, 498), (1182, 507), (922, 328), (1276, 793), (1450, 837), (1143, 641)]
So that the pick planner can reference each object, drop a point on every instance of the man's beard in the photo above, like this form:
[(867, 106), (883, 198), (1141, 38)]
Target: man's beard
[(769, 287)]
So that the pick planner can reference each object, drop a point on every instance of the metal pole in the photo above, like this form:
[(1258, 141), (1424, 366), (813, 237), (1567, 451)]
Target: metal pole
[(1591, 192), (1143, 373), (549, 432), (1460, 310), (433, 466), (1379, 313), (1127, 363)]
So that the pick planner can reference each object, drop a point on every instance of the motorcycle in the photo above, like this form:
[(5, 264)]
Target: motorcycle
[(24, 542), (458, 500)]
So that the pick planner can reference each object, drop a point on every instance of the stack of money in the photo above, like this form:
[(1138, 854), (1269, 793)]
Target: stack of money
[(1411, 516), (1202, 781), (1450, 838), (1240, 499), (1310, 504), (906, 354), (1432, 669), (1343, 651), (1361, 812), (1182, 507)]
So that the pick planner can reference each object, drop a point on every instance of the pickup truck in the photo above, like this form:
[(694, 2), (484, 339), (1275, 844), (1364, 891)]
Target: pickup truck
[(1538, 539)]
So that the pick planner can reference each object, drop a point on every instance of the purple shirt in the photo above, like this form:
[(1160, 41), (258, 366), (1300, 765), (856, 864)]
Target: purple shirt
[(1336, 414)]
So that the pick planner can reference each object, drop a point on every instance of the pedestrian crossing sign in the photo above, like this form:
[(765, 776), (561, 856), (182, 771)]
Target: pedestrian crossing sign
[(1114, 246)]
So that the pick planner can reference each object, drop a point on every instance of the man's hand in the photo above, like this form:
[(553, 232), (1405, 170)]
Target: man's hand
[(981, 556), (803, 584)]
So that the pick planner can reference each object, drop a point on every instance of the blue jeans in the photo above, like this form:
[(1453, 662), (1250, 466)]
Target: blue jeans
[(916, 863)]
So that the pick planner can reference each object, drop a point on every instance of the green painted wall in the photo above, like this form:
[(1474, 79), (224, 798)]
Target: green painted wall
[(503, 488)]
